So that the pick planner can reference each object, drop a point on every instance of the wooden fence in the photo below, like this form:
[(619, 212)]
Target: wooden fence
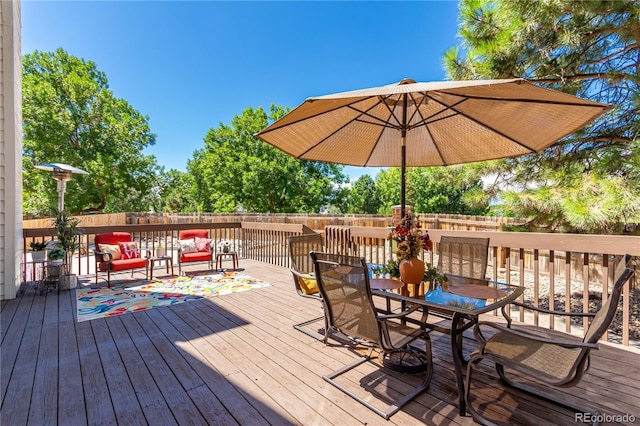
[(581, 264), (319, 222), (313, 221)]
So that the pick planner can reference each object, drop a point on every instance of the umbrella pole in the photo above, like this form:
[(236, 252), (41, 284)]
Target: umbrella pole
[(403, 153), (403, 169)]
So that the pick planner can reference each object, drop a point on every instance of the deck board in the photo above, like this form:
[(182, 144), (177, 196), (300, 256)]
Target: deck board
[(236, 360), (44, 410), (177, 399), (202, 396), (20, 386)]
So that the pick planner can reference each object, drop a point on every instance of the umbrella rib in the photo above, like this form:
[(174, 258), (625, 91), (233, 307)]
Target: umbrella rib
[(272, 127), (383, 100), (424, 120), (380, 122), (418, 105), (342, 127), (486, 126), (540, 101)]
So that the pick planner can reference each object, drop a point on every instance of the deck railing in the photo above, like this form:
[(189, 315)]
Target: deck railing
[(265, 242), (573, 268)]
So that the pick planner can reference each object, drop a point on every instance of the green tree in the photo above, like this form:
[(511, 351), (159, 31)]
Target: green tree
[(454, 189), (363, 197), (586, 48), (388, 188), (235, 170), (174, 193), (70, 116)]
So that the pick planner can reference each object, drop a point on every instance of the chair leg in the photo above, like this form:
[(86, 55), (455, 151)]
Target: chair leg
[(535, 392), (323, 338), (301, 327), (326, 329), (477, 417), (396, 406)]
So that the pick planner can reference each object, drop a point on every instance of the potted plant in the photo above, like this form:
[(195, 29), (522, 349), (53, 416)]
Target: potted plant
[(57, 255), (392, 267), (160, 250), (38, 253), (435, 278), (67, 233)]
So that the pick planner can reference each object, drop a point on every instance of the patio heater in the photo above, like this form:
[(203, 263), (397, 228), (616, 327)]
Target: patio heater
[(61, 173)]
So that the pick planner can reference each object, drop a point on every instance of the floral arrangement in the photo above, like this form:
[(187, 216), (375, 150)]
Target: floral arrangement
[(224, 245), (410, 237)]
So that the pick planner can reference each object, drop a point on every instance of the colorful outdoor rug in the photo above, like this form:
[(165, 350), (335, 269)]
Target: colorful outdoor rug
[(108, 302)]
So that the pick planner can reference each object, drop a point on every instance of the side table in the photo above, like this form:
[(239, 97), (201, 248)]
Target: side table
[(51, 279), (33, 272), (168, 260), (221, 255)]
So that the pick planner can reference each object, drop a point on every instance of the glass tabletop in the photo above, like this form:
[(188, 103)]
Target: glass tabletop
[(464, 295)]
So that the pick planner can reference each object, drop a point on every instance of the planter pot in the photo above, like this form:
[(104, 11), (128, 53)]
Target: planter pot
[(54, 262), (160, 252), (226, 249), (412, 270), (68, 281), (39, 256)]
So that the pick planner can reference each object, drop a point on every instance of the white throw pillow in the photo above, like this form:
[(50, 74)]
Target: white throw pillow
[(187, 246)]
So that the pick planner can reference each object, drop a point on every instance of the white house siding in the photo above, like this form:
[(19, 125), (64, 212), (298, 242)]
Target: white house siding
[(10, 149)]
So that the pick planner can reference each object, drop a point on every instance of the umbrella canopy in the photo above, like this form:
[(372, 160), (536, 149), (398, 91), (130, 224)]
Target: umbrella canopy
[(411, 124)]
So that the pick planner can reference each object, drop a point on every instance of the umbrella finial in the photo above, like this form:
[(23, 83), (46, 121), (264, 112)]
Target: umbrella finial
[(407, 81)]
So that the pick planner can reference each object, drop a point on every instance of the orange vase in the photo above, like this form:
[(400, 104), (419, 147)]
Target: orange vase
[(412, 270)]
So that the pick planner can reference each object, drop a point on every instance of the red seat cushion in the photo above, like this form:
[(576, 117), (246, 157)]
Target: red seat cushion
[(112, 238), (124, 264), (197, 256), (188, 234)]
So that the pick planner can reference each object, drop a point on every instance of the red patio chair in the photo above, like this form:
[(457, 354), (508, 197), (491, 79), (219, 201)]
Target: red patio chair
[(109, 254), (201, 252)]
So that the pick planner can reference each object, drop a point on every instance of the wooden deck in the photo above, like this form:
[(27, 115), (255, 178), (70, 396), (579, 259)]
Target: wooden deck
[(236, 359)]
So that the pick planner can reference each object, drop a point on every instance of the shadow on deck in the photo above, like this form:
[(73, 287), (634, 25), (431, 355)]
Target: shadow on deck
[(236, 359)]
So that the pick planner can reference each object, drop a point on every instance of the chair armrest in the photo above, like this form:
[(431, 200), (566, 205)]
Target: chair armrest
[(97, 253), (399, 314), (550, 312), (301, 275), (565, 343)]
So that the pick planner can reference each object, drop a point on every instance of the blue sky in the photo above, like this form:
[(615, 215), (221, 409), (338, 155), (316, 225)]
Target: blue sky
[(190, 66)]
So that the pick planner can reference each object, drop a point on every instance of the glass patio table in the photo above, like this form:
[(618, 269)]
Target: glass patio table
[(462, 301)]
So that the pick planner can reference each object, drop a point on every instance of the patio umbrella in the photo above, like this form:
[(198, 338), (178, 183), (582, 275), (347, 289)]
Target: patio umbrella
[(411, 124)]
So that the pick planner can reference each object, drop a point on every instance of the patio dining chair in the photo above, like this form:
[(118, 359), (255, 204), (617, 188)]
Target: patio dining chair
[(553, 360), (346, 292), (464, 261), (463, 256), (304, 279)]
